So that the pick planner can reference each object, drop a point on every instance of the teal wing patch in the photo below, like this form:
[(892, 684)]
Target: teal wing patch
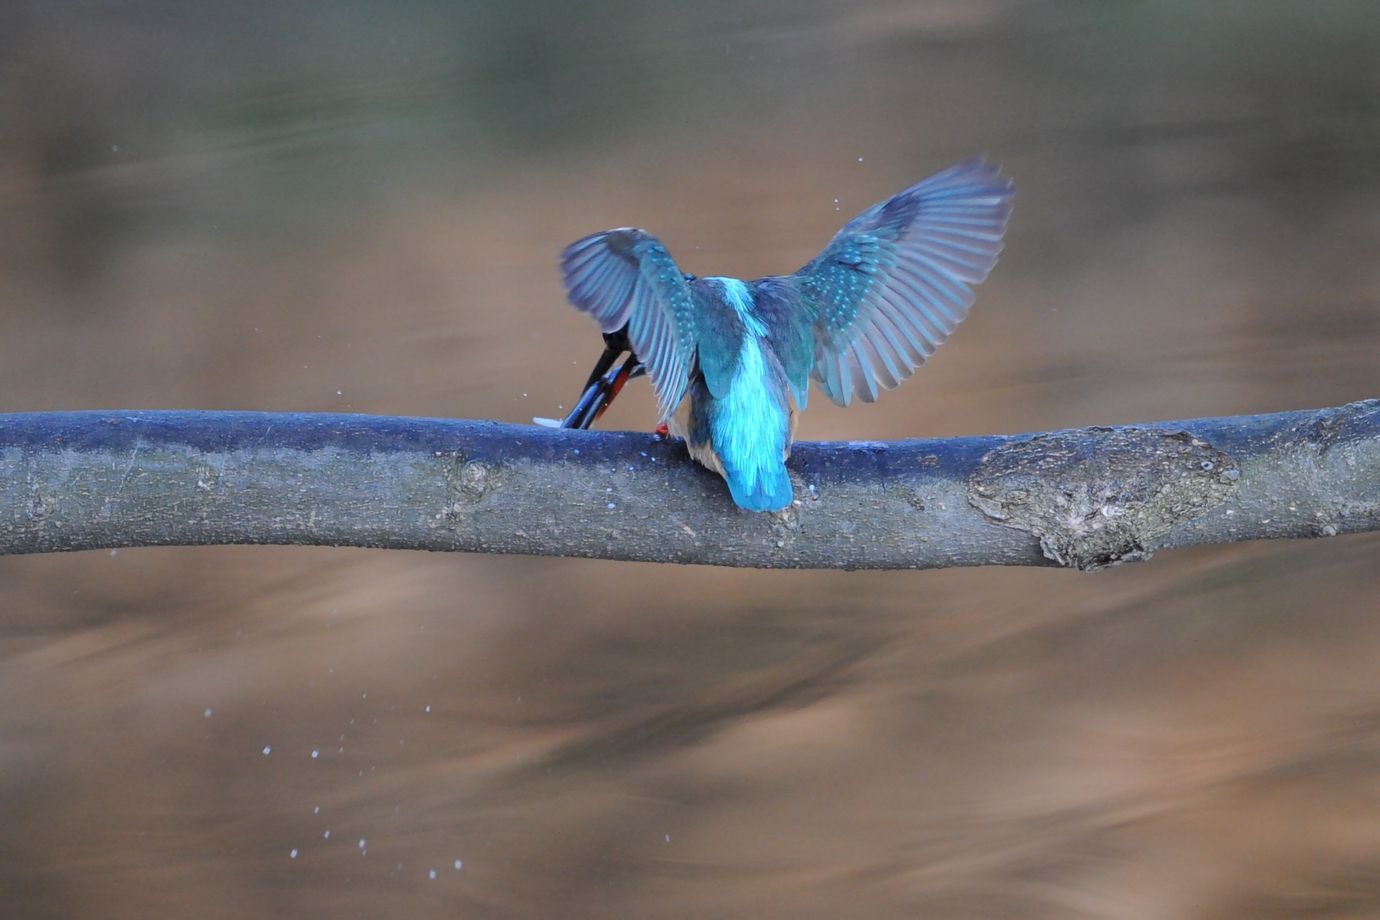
[(789, 330), (626, 277), (897, 279)]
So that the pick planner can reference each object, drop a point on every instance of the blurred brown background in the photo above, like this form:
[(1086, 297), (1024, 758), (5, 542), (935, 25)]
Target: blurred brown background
[(357, 207)]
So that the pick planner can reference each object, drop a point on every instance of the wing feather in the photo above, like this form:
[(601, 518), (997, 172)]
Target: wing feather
[(896, 281), (626, 277)]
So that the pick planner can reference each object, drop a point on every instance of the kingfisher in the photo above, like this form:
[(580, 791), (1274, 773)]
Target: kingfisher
[(730, 361)]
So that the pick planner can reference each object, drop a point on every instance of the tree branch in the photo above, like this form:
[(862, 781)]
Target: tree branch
[(1084, 498)]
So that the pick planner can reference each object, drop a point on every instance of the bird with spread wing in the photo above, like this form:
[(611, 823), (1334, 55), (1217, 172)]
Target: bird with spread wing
[(730, 361)]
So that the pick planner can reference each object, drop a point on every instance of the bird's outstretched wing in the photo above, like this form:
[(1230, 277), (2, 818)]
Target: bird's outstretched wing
[(625, 277), (895, 281)]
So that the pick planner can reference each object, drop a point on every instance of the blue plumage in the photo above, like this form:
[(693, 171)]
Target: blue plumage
[(749, 418), (859, 317)]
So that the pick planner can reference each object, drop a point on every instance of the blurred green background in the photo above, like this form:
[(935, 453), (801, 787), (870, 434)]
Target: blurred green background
[(357, 207)]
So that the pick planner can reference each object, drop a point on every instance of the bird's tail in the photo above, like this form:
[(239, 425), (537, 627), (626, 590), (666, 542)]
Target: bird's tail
[(768, 490)]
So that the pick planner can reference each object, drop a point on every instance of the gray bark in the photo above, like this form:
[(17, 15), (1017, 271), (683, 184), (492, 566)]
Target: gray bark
[(1084, 498)]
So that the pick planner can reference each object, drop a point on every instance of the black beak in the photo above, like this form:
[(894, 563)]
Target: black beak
[(605, 381)]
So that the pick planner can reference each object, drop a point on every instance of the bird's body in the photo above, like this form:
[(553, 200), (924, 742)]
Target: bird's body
[(730, 360), (738, 416)]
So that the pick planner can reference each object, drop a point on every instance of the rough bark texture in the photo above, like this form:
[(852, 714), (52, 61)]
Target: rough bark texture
[(1084, 498)]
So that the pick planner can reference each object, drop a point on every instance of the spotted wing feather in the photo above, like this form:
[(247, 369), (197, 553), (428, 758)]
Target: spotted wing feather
[(897, 279), (626, 277)]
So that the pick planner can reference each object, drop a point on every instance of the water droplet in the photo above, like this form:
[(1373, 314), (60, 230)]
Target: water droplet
[(459, 864), (268, 749), (293, 854), (207, 712), (315, 753), (431, 873)]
